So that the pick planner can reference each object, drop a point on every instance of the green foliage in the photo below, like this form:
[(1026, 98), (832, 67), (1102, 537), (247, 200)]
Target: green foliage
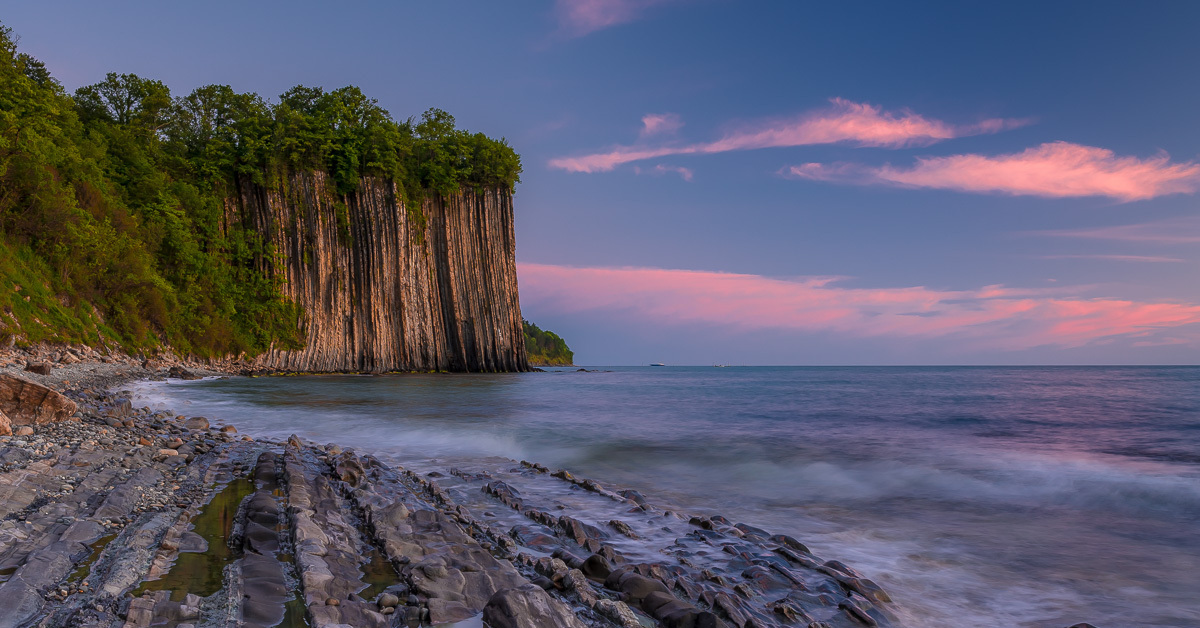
[(112, 201), (546, 348)]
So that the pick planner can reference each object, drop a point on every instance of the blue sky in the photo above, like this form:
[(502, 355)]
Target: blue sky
[(942, 183)]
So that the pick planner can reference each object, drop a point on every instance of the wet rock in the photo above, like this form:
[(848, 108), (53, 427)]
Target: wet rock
[(27, 403), (178, 372), (577, 583), (623, 528), (634, 585), (618, 612), (196, 424), (528, 606), (596, 567), (579, 531), (633, 496), (859, 609)]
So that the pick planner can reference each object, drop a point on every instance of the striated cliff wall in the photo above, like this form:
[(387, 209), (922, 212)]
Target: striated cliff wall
[(390, 288)]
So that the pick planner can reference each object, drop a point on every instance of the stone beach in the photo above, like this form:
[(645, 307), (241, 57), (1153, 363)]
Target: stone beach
[(117, 516)]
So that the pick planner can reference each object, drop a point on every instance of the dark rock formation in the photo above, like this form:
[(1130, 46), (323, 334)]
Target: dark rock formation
[(385, 287), (527, 606)]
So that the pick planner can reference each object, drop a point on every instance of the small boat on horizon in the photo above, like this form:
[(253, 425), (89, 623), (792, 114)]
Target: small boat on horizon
[(657, 364)]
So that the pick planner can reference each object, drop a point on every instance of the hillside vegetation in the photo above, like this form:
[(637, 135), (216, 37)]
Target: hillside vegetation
[(546, 348), (113, 227)]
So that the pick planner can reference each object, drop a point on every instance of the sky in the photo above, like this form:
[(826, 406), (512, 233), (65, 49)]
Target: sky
[(722, 182)]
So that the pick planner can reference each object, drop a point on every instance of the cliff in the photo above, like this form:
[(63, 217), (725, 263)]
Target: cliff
[(384, 287)]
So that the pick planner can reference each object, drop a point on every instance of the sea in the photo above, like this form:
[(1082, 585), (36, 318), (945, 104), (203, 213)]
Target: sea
[(976, 496)]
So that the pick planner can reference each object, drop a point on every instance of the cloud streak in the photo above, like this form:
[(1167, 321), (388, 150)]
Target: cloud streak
[(1052, 170), (858, 124), (581, 17), (992, 317), (1177, 231), (1117, 258), (660, 124), (661, 169)]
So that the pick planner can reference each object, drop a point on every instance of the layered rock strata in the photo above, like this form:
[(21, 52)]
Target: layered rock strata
[(385, 287), (160, 520)]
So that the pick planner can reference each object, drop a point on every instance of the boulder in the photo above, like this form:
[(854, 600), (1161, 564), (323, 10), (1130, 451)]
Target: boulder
[(27, 403), (178, 372), (527, 606), (596, 567), (196, 423), (41, 368), (5, 425)]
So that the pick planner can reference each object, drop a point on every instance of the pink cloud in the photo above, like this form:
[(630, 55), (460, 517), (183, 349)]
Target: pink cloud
[(661, 169), (859, 124), (580, 17), (989, 317), (660, 123), (1054, 169)]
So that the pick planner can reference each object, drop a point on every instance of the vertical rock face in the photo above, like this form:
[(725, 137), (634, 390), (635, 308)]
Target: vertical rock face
[(385, 287)]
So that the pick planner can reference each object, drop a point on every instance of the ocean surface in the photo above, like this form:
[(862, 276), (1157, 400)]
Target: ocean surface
[(976, 496)]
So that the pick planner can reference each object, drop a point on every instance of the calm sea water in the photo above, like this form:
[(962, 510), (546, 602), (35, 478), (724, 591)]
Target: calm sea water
[(983, 496)]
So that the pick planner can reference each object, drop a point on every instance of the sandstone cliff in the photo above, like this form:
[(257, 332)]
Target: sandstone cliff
[(386, 287)]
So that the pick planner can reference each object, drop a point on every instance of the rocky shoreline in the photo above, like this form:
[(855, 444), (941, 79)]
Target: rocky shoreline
[(123, 517)]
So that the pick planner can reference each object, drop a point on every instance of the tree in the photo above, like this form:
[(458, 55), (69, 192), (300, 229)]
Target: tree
[(126, 99)]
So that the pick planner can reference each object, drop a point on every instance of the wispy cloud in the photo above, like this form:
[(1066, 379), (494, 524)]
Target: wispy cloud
[(660, 124), (661, 169), (993, 317), (580, 17), (1117, 258), (843, 121), (1176, 231), (1054, 169)]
